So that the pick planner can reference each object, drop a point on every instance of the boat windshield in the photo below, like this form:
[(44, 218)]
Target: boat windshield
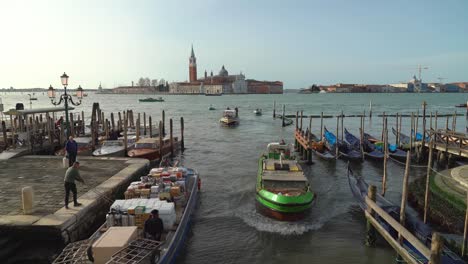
[(145, 146), (229, 113), (113, 143)]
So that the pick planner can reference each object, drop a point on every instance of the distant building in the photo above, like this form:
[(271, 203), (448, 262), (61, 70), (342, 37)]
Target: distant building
[(221, 83), (264, 87)]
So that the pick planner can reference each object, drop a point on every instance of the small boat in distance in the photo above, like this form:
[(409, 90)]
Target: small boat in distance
[(211, 107), (461, 105), (258, 112), (151, 99), (213, 94), (230, 118), (282, 191)]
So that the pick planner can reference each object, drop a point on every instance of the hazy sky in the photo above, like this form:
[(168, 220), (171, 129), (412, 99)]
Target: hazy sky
[(297, 42)]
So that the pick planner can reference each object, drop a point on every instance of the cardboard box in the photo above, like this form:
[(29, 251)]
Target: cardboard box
[(113, 240)]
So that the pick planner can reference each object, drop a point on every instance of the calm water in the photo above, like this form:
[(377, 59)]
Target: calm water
[(226, 228)]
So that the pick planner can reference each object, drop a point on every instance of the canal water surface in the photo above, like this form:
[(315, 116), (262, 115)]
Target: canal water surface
[(226, 227)]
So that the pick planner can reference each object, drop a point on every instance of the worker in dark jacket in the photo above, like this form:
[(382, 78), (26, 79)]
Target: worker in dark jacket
[(71, 148), (72, 175), (154, 226)]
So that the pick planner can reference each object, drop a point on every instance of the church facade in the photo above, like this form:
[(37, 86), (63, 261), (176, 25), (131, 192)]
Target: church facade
[(222, 83)]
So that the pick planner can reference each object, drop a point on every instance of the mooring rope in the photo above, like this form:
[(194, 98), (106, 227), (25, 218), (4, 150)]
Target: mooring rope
[(404, 163)]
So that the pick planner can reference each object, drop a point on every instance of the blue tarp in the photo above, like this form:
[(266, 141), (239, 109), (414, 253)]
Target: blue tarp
[(330, 138)]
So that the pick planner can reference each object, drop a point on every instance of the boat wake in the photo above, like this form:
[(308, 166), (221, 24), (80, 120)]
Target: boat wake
[(264, 224), (317, 218)]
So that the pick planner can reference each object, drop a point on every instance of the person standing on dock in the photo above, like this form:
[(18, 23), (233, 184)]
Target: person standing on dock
[(72, 175), (154, 226), (71, 151)]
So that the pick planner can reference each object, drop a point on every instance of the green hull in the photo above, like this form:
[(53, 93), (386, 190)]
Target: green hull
[(280, 203)]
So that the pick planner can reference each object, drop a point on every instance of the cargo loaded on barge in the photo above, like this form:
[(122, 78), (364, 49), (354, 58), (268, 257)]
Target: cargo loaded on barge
[(173, 191)]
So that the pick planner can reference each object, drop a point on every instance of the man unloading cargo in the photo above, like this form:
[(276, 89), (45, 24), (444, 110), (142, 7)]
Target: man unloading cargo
[(72, 175), (154, 226)]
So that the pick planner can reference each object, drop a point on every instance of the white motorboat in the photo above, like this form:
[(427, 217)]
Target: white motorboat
[(111, 148)]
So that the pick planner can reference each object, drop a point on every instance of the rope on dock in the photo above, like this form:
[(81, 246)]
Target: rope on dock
[(404, 164)]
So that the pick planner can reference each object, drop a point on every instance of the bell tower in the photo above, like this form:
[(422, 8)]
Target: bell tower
[(192, 67)]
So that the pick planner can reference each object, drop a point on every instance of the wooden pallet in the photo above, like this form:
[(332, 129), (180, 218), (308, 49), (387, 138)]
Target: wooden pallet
[(75, 253), (138, 251)]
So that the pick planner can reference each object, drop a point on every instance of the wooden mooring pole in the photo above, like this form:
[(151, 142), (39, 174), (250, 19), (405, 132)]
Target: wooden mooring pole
[(428, 176), (282, 116), (411, 133), (383, 122), (144, 123), (161, 132), (465, 230), (171, 138), (301, 119), (125, 131), (437, 243), (182, 144), (5, 138), (342, 126), (397, 138), (384, 179), (370, 230), (274, 110), (163, 123), (336, 143), (112, 121), (296, 143), (404, 193), (321, 126), (150, 125), (361, 135)]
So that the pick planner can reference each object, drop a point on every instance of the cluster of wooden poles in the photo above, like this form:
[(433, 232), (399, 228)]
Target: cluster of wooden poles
[(126, 121), (39, 128), (303, 143)]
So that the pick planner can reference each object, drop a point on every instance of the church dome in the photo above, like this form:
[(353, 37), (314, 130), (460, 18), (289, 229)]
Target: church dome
[(223, 72)]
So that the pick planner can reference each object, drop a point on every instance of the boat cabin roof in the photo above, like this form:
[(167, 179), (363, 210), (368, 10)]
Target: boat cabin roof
[(284, 176)]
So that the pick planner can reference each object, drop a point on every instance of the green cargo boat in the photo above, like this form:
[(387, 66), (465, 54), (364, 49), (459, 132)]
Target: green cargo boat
[(283, 191)]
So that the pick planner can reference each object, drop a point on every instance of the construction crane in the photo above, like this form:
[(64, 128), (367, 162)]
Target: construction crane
[(420, 68)]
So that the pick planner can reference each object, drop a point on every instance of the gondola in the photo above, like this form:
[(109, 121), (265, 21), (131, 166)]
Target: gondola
[(369, 148), (345, 150), (417, 227), (320, 149), (393, 151)]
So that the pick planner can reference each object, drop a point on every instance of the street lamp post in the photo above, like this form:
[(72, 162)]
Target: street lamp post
[(66, 98)]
